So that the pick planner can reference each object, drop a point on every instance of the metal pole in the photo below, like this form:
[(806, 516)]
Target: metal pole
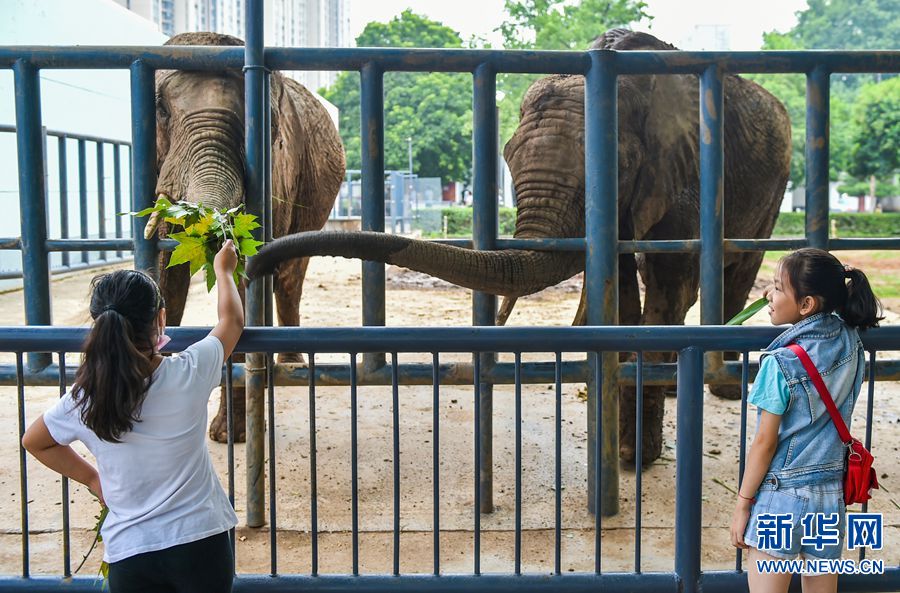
[(484, 236), (817, 108), (32, 202), (101, 197), (82, 196), (689, 469), (254, 77), (712, 193), (63, 196), (602, 267), (143, 164), (372, 149)]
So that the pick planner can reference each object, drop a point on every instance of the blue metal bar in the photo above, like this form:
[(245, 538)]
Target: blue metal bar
[(313, 486), (267, 222), (23, 466), (742, 455), (273, 515), (254, 138), (764, 244), (518, 462), (557, 511), (395, 413), (596, 402), (68, 135), (63, 194), (712, 194), (229, 426), (117, 193), (372, 153), (638, 458), (476, 387), (484, 236), (101, 198), (817, 113), (354, 470), (436, 460), (864, 243), (83, 198), (143, 163), (447, 60), (601, 271), (64, 502), (689, 469), (869, 409), (658, 338), (32, 202)]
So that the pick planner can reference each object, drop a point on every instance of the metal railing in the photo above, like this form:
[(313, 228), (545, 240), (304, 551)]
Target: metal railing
[(65, 244), (687, 573)]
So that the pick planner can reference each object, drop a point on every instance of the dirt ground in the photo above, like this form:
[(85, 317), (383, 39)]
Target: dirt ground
[(332, 298)]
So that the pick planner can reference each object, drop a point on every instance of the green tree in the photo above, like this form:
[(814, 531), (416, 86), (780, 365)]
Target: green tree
[(554, 25), (433, 109), (876, 144)]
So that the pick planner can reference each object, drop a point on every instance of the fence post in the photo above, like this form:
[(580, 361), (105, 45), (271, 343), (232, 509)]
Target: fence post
[(143, 164), (255, 100), (817, 108), (601, 275), (484, 236), (32, 202), (712, 192), (689, 469)]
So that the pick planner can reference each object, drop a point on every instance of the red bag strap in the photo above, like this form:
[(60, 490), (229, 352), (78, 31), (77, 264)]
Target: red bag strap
[(816, 378)]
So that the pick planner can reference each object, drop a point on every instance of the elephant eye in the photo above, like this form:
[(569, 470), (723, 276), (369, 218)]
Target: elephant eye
[(161, 111)]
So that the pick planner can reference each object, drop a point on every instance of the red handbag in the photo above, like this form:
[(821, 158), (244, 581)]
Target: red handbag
[(860, 477)]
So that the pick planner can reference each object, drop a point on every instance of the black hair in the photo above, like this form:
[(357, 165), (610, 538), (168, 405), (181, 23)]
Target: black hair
[(837, 288), (116, 371)]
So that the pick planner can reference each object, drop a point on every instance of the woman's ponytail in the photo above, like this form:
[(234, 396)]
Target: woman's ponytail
[(112, 381), (862, 309)]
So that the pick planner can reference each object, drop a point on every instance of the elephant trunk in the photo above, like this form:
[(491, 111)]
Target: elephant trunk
[(507, 273), (208, 165)]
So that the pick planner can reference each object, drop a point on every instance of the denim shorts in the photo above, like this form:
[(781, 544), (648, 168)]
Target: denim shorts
[(825, 498)]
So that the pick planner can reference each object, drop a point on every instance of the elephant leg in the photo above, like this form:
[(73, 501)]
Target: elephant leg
[(288, 279), (739, 278), (671, 289)]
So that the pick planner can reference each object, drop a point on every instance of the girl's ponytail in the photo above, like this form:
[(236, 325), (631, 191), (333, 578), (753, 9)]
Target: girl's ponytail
[(112, 381), (862, 309)]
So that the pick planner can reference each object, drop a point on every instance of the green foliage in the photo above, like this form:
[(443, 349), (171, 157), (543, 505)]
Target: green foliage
[(876, 143), (884, 188), (459, 221), (434, 109), (558, 25), (751, 310), (204, 232), (848, 224), (101, 518)]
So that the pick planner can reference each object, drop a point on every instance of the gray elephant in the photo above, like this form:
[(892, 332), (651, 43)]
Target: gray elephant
[(200, 158), (658, 199)]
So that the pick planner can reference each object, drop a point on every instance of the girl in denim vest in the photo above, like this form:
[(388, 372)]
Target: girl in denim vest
[(796, 462)]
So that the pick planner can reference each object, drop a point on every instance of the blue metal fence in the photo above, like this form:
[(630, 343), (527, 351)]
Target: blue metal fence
[(691, 343), (601, 246)]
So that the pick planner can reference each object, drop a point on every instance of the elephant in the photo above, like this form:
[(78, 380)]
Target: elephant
[(658, 193), (200, 158)]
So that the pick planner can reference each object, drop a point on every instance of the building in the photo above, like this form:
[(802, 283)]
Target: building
[(288, 23)]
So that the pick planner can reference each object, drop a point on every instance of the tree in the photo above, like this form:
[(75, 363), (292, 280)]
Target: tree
[(876, 144), (433, 109), (554, 24)]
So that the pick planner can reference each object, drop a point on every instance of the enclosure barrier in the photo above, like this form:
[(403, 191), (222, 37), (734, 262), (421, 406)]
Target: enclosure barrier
[(600, 68), (691, 344)]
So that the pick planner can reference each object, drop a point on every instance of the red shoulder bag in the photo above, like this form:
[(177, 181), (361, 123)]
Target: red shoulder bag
[(860, 477)]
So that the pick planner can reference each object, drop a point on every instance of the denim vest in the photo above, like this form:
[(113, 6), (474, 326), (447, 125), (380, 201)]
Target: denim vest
[(809, 450)]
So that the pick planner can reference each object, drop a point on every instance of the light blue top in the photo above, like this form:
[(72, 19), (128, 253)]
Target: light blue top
[(770, 389)]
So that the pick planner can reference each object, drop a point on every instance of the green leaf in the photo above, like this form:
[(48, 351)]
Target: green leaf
[(190, 250), (243, 224), (247, 247), (754, 307), (210, 276)]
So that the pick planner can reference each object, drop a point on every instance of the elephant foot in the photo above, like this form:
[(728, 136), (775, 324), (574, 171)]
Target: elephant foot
[(652, 437), (291, 357), (726, 391), (218, 428)]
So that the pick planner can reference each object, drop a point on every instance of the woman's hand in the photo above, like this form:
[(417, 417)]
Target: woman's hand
[(739, 520), (226, 259)]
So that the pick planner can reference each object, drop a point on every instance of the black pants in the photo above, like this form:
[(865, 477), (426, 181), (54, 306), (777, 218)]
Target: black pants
[(203, 566)]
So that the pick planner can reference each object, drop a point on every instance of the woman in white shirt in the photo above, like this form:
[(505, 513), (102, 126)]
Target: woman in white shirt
[(143, 416)]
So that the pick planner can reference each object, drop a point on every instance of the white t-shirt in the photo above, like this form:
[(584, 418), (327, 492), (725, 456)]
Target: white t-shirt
[(158, 482)]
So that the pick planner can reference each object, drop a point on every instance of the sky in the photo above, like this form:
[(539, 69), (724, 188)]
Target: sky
[(742, 21)]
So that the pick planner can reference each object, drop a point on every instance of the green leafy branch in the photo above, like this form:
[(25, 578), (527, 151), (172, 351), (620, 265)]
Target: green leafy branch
[(104, 567), (751, 310), (204, 231)]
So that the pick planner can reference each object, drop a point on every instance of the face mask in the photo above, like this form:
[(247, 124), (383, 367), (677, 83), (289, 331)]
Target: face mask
[(162, 340)]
